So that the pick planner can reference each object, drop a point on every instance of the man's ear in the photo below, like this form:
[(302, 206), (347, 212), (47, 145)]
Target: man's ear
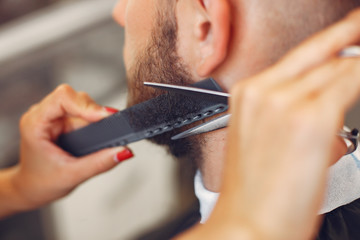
[(212, 34)]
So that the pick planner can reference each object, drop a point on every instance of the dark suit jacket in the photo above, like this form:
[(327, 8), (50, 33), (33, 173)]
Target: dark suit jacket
[(343, 223)]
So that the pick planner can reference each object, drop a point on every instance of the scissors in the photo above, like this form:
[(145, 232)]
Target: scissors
[(351, 137)]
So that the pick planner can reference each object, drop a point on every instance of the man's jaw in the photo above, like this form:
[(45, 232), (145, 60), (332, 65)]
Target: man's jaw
[(338, 151)]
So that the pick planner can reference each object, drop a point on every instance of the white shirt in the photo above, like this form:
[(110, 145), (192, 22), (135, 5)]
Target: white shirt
[(343, 187)]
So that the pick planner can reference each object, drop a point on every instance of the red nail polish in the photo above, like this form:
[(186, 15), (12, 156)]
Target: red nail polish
[(111, 110), (123, 155)]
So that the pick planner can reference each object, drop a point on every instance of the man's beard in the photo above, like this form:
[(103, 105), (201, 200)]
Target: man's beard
[(160, 63)]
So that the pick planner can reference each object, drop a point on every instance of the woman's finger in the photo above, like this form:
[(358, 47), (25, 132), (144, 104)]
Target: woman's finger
[(316, 82), (344, 91), (65, 101), (99, 162)]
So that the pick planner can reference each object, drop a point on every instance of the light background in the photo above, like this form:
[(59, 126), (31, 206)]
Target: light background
[(76, 42)]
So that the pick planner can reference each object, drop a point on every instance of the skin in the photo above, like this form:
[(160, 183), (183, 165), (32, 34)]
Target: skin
[(223, 40), (301, 134), (45, 172), (305, 93)]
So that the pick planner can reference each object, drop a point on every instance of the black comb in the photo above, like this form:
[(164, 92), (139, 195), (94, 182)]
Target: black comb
[(130, 126)]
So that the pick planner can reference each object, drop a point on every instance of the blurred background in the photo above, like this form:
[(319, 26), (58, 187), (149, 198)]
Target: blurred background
[(44, 43)]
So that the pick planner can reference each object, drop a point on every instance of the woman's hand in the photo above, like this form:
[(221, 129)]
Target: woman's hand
[(282, 139), (45, 171), (283, 134)]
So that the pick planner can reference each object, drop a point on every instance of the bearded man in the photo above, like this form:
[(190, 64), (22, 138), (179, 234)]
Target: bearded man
[(284, 130), (185, 41)]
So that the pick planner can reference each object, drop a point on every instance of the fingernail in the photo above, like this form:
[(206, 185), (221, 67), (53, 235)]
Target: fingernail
[(123, 155), (111, 110)]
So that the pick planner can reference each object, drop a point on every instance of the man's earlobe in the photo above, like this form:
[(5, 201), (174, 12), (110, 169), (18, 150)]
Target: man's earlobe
[(212, 34), (119, 12)]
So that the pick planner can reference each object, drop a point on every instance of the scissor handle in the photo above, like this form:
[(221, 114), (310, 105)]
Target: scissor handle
[(351, 139)]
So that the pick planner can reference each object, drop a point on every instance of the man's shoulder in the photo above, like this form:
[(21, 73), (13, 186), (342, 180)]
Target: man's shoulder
[(343, 223)]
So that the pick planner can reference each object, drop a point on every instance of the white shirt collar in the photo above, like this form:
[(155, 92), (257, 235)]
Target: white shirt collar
[(343, 187), (206, 198)]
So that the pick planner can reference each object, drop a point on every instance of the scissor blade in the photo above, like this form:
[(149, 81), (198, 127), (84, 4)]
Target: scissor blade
[(192, 91), (209, 126), (352, 51)]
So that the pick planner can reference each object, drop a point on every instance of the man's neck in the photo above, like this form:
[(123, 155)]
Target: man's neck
[(213, 155)]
